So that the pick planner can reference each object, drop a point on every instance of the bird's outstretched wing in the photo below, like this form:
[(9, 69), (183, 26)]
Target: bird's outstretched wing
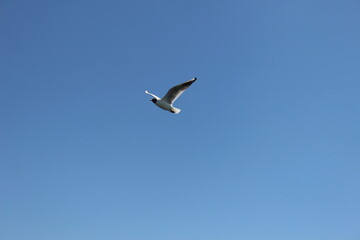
[(152, 95), (175, 92)]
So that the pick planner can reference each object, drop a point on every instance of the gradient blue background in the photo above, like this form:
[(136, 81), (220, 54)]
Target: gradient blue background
[(267, 145)]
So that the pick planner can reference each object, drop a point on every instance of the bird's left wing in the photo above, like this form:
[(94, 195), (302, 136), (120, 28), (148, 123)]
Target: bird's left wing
[(175, 92), (151, 95)]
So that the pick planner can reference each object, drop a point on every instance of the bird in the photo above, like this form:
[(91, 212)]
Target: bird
[(174, 93)]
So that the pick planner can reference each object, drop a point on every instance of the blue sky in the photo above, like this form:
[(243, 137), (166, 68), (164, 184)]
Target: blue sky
[(267, 145)]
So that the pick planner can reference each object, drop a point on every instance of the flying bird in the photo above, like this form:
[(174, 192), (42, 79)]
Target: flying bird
[(174, 93)]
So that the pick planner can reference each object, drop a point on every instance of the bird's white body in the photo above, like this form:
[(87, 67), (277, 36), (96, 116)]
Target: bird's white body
[(174, 93), (166, 106)]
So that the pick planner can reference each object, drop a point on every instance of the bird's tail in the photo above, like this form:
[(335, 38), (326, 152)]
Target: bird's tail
[(175, 110)]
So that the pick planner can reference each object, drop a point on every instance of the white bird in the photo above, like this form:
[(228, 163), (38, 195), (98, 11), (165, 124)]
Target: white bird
[(174, 93)]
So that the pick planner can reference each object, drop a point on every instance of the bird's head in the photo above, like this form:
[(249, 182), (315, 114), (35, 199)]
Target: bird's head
[(153, 100)]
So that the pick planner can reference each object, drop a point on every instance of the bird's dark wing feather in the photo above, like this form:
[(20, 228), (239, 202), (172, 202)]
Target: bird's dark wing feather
[(175, 92)]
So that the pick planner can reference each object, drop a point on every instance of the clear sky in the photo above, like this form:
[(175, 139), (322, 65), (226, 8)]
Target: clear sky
[(267, 145)]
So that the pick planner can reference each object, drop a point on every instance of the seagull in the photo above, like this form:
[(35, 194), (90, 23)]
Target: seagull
[(174, 93)]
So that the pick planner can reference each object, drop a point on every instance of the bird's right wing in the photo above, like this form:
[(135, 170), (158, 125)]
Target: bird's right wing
[(175, 92)]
